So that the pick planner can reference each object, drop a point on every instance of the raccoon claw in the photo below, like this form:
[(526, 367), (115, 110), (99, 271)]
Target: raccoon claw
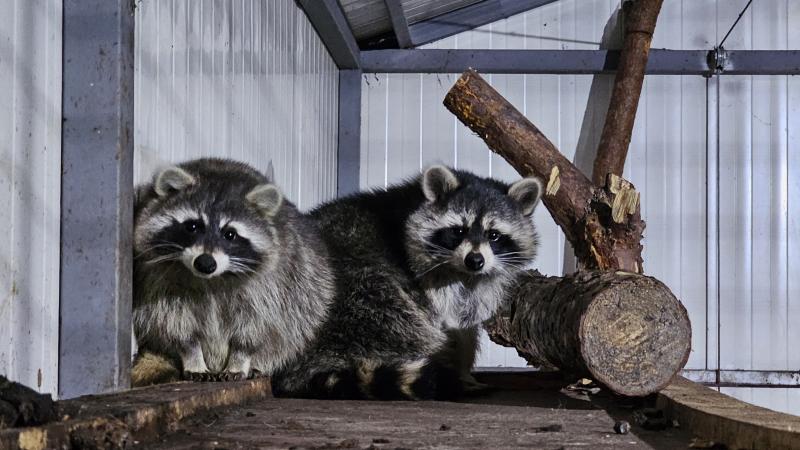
[(232, 376), (198, 376)]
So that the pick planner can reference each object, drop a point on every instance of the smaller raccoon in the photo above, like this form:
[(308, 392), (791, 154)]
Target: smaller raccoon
[(465, 245), (228, 277)]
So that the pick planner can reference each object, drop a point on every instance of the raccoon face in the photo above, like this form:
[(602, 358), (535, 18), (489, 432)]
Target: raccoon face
[(212, 228), (472, 226)]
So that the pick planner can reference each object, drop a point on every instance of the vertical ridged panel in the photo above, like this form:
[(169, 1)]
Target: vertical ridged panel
[(30, 150), (244, 79)]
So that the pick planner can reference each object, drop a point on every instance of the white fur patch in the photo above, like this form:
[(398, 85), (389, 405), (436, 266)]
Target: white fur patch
[(255, 236), (409, 373)]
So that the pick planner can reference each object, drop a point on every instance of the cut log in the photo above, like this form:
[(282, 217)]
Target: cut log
[(603, 224), (640, 24), (625, 331)]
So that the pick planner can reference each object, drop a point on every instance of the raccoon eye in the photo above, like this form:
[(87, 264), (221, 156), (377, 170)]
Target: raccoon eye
[(493, 235), (229, 234), (459, 231), (193, 226)]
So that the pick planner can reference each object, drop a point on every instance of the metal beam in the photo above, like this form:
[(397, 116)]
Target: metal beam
[(349, 151), (661, 62), (399, 23), (526, 61), (469, 17), (331, 25), (96, 197)]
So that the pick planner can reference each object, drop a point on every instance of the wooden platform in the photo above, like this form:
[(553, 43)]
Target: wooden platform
[(525, 410)]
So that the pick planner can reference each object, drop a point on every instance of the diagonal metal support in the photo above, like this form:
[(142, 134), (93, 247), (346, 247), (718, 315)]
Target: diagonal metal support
[(96, 197), (331, 26), (469, 17), (399, 23)]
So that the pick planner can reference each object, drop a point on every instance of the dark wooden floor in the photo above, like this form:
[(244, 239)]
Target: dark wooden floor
[(524, 412)]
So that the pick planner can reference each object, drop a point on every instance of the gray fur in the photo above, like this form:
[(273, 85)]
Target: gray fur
[(401, 302), (257, 314)]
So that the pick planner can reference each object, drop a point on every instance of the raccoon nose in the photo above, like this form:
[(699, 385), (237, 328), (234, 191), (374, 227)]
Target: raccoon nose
[(474, 261), (205, 264)]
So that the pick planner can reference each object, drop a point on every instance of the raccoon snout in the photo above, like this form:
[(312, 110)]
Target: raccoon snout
[(205, 263), (474, 261)]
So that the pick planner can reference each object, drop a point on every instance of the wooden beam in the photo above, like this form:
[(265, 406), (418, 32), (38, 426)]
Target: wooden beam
[(330, 23), (725, 420)]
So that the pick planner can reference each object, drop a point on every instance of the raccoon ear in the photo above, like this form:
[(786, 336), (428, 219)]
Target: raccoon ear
[(437, 181), (526, 193), (267, 198), (171, 180)]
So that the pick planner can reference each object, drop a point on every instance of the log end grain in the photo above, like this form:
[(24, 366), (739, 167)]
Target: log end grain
[(635, 335)]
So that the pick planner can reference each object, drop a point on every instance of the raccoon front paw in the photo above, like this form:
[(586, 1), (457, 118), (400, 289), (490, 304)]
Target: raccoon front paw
[(232, 376), (473, 386), (199, 376)]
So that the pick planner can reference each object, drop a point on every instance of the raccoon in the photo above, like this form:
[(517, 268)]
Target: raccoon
[(418, 267), (229, 278)]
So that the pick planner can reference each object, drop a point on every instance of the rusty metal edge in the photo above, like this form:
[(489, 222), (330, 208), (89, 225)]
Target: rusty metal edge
[(726, 420), (142, 423)]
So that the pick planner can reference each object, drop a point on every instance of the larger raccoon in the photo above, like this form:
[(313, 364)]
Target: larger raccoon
[(419, 266), (228, 276)]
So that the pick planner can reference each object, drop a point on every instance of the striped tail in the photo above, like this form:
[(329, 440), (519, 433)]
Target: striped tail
[(424, 379)]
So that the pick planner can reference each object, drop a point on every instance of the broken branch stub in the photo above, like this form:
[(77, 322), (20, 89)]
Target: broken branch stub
[(603, 236)]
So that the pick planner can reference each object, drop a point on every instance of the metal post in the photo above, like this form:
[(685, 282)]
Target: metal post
[(349, 148), (96, 197)]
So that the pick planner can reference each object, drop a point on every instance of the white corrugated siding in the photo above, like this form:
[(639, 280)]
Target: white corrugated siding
[(757, 311), (246, 79), (30, 186)]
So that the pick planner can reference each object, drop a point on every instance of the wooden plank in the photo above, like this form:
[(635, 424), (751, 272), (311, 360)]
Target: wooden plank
[(726, 420)]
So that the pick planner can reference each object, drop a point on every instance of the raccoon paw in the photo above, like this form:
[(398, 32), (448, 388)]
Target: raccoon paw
[(255, 373), (199, 376), (232, 376), (473, 386)]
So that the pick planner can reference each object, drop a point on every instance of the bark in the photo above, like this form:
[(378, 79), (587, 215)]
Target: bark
[(603, 224), (640, 23), (625, 331)]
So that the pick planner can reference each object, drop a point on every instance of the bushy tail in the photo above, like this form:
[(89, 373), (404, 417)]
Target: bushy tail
[(149, 368), (424, 379)]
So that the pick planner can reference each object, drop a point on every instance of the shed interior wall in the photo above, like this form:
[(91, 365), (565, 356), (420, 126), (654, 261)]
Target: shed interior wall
[(245, 79), (30, 190)]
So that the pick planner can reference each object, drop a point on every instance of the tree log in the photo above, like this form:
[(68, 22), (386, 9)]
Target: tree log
[(603, 224), (640, 23), (625, 331)]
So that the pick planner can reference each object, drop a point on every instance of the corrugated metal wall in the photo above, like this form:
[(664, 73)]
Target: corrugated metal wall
[(246, 79), (753, 319), (30, 186)]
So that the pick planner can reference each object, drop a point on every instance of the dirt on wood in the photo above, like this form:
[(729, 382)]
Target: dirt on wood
[(526, 411)]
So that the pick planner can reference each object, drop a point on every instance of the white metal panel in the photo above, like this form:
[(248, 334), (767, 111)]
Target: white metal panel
[(245, 79), (30, 151)]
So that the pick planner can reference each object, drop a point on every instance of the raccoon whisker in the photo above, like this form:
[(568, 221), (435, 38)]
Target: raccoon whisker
[(435, 266), (164, 258), (156, 247), (239, 259)]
